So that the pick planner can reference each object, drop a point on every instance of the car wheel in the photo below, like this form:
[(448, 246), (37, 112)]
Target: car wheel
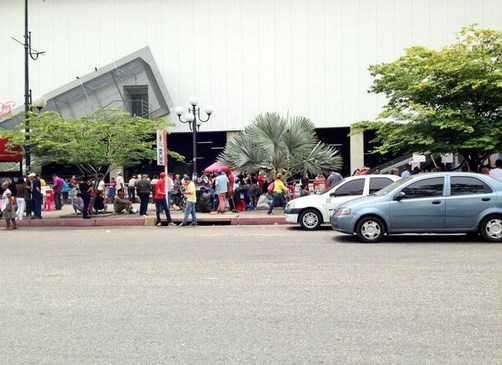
[(370, 229), (491, 229), (310, 219)]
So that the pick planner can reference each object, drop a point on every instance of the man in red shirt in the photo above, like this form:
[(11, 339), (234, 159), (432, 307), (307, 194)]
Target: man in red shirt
[(160, 200)]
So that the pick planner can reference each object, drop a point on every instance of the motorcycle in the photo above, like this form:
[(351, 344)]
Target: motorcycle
[(178, 200)]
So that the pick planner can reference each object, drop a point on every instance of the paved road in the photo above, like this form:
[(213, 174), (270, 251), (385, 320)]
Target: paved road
[(246, 295)]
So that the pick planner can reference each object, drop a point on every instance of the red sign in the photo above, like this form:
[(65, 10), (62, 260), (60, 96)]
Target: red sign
[(12, 154)]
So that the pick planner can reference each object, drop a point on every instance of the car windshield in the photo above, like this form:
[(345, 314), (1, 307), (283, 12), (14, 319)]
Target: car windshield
[(391, 187)]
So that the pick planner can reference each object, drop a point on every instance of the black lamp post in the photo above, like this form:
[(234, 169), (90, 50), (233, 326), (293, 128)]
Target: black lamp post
[(194, 120), (28, 102)]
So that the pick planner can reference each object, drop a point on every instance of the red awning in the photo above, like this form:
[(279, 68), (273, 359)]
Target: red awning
[(216, 167), (13, 154)]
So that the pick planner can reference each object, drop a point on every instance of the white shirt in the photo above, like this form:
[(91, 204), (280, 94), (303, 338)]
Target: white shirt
[(101, 185), (496, 174), (5, 198), (120, 182)]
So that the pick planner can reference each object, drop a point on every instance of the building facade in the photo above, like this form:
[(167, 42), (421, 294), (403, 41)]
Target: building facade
[(243, 57)]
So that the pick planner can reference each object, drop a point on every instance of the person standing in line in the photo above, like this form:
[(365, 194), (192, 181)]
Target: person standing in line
[(8, 211), (333, 178), (176, 183), (101, 184), (57, 188), (85, 188), (407, 171), (496, 173), (191, 197), (21, 203), (161, 201), (169, 188), (153, 182), (221, 184), (112, 190), (131, 189), (73, 191), (65, 192), (120, 181), (279, 190), (28, 199), (144, 194), (36, 195)]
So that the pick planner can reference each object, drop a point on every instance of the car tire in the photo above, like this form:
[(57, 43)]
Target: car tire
[(370, 229), (310, 219), (491, 228)]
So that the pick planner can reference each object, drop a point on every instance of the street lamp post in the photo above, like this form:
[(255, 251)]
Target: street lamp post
[(194, 121), (28, 53), (39, 104)]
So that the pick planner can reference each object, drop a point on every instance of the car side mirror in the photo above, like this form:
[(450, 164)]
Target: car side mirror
[(399, 196)]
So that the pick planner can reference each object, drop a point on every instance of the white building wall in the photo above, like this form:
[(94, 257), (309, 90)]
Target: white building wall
[(302, 57)]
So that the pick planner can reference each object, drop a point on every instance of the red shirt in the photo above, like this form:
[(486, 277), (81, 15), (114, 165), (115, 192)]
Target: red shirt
[(160, 189)]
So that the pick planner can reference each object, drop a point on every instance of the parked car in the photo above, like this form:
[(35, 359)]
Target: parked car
[(426, 203), (313, 210)]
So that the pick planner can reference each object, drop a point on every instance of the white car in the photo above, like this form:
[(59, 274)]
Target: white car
[(313, 210)]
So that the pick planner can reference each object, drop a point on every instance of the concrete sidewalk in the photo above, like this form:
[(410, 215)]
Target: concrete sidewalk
[(67, 218)]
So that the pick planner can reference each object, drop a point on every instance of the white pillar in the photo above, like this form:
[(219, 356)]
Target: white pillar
[(356, 150)]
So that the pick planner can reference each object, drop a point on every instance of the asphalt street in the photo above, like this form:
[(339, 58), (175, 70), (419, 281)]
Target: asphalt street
[(246, 295)]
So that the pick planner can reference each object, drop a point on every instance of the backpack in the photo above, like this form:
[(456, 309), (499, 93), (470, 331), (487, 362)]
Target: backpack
[(270, 188)]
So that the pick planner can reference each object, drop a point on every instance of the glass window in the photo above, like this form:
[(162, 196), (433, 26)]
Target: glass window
[(466, 185), (354, 187), (425, 188), (377, 183)]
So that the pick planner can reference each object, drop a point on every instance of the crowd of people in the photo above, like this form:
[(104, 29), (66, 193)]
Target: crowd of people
[(215, 192)]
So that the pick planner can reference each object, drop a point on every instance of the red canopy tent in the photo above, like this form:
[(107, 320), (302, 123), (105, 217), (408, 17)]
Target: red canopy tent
[(14, 154), (216, 167)]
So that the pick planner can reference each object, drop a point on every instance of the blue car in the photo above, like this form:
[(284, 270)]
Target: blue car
[(439, 202)]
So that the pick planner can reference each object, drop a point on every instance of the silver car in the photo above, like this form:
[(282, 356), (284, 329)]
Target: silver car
[(426, 203)]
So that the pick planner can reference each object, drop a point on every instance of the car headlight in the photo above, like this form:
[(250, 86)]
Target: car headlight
[(342, 211), (290, 205)]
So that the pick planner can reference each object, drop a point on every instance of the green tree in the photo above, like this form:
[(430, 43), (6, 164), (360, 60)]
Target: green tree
[(443, 101), (273, 143), (95, 143)]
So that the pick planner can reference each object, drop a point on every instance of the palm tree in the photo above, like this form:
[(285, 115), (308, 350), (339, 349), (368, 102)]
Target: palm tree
[(272, 143)]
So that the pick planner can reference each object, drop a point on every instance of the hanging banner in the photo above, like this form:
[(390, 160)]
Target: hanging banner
[(161, 147), (6, 110)]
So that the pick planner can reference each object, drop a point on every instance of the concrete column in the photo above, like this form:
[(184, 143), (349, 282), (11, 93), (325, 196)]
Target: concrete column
[(231, 135), (356, 150)]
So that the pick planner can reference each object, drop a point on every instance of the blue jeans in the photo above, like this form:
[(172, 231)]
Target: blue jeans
[(161, 205), (189, 209), (57, 201), (278, 197), (37, 205)]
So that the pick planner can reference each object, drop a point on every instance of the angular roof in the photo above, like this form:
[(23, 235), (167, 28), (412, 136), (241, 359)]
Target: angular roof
[(106, 87)]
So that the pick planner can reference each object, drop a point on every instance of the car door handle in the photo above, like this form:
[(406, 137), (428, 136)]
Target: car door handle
[(486, 199), (436, 202)]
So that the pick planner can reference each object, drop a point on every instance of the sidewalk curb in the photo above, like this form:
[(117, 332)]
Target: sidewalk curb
[(143, 221)]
